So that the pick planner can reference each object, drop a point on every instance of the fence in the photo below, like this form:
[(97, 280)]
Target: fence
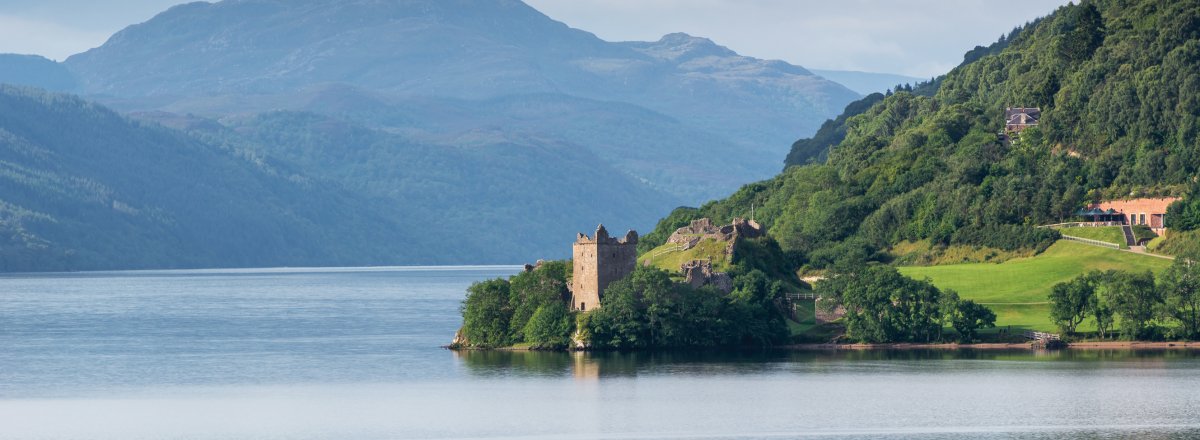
[(800, 296), (1092, 242), (1041, 336), (667, 250)]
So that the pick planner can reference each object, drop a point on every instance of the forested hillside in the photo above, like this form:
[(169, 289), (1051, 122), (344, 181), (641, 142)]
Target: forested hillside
[(1118, 83), (82, 187)]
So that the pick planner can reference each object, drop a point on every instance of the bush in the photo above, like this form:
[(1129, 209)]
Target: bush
[(550, 327)]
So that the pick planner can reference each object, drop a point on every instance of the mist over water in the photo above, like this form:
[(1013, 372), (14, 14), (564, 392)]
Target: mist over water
[(355, 353)]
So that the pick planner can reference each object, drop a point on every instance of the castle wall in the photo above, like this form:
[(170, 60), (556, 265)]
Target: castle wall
[(597, 263)]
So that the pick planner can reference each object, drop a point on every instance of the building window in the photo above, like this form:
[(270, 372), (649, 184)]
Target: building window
[(1143, 220), (582, 307)]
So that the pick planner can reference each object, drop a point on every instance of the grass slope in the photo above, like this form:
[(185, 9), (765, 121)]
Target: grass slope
[(670, 256), (1017, 289), (1107, 234)]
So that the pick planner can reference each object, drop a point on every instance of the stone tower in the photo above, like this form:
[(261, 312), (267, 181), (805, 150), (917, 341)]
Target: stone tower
[(598, 262)]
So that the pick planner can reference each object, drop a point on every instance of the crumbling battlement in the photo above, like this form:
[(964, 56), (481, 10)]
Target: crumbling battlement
[(602, 237)]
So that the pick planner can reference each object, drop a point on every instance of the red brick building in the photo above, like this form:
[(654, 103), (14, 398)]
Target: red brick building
[(1149, 212)]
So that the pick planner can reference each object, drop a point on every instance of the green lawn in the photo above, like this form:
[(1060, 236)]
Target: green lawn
[(1017, 289), (669, 257), (1107, 234)]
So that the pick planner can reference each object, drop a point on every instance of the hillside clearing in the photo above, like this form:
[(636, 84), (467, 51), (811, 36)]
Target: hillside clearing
[(1017, 290)]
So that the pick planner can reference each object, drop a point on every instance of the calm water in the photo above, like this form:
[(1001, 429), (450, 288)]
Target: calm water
[(353, 354)]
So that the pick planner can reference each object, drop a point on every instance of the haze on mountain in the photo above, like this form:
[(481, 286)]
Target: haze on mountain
[(375, 59), (416, 131)]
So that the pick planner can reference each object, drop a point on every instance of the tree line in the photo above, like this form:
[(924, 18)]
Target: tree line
[(647, 309), (881, 305), (1133, 306)]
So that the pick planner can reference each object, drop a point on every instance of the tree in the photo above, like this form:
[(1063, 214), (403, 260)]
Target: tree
[(648, 310), (529, 291), (969, 317), (486, 314), (550, 326), (1184, 214), (1071, 302), (884, 306), (1082, 31), (1135, 301), (1180, 286), (949, 301)]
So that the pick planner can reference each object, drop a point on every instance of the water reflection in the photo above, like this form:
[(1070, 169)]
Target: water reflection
[(585, 366)]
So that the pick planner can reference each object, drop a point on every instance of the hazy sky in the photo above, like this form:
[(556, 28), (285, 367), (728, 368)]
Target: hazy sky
[(915, 37)]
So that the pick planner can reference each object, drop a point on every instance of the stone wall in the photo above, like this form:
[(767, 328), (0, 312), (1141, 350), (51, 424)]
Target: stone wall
[(701, 229), (698, 273)]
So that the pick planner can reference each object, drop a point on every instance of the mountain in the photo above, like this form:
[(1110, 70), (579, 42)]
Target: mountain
[(1116, 83), (239, 56), (35, 71), (866, 83), (82, 187), (85, 188)]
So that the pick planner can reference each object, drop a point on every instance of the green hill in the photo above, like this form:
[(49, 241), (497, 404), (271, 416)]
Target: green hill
[(1117, 83), (1017, 289)]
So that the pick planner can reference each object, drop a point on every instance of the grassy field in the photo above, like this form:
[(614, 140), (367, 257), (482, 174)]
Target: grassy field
[(669, 256), (1107, 234), (1017, 289)]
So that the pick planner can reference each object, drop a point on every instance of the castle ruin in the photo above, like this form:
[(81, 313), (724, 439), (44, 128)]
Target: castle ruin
[(597, 263), (691, 235), (699, 273)]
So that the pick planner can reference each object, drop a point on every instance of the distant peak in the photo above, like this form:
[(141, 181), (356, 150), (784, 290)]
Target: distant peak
[(679, 46)]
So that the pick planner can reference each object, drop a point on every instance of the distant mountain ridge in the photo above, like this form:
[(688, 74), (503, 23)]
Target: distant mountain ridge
[(84, 188), (203, 57), (36, 71), (386, 132)]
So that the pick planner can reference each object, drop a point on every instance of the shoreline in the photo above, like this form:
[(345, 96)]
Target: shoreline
[(1086, 345)]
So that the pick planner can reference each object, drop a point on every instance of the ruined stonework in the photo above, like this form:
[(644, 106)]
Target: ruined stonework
[(689, 236), (698, 273), (597, 263)]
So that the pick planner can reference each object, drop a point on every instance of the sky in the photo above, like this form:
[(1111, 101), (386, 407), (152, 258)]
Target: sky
[(921, 38)]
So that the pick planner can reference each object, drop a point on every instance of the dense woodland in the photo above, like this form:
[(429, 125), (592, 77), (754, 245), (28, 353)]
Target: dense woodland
[(647, 309), (1118, 83)]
